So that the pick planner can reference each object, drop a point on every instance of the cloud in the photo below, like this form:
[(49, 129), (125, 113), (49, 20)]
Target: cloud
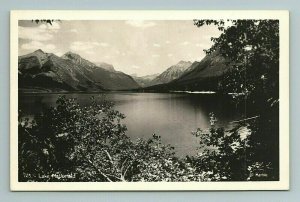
[(43, 32), (87, 46), (167, 42), (207, 37), (140, 23), (54, 26), (185, 43), (34, 45), (80, 46), (49, 47), (170, 55), (74, 30), (156, 45), (58, 53), (104, 44), (206, 44), (200, 45), (37, 34), (135, 67), (93, 43), (90, 52), (155, 55)]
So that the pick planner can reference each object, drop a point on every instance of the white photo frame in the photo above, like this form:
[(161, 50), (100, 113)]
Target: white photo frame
[(282, 16)]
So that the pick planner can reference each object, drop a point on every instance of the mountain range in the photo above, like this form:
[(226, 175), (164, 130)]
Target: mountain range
[(172, 73), (144, 81), (40, 71), (70, 72), (203, 75)]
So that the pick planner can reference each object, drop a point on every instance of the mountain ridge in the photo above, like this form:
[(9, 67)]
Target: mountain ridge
[(70, 72), (171, 73), (203, 75), (144, 81)]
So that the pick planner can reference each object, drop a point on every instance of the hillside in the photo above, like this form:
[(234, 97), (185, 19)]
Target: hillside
[(144, 81), (203, 75), (173, 72), (71, 72), (106, 66), (110, 80)]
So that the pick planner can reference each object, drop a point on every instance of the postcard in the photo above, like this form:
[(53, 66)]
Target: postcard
[(131, 100)]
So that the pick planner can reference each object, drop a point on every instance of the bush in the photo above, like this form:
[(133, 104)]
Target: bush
[(234, 155), (75, 143), (70, 142)]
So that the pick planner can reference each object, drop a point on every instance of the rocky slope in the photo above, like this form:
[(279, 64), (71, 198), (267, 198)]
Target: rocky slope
[(144, 81), (106, 66), (71, 72), (203, 75), (171, 73)]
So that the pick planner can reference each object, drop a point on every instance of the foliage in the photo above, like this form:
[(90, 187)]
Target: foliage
[(252, 46), (232, 154), (253, 49), (70, 142), (47, 21)]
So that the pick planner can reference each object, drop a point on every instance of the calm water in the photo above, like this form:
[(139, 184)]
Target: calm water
[(172, 116)]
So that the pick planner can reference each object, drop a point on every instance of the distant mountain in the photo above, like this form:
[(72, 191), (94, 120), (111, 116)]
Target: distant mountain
[(171, 73), (77, 59), (110, 80), (40, 70), (213, 65), (192, 67), (144, 81), (71, 72), (203, 75), (106, 66)]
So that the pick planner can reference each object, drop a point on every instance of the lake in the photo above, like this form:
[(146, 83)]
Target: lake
[(173, 116)]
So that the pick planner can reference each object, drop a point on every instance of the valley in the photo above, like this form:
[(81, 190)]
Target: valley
[(47, 72)]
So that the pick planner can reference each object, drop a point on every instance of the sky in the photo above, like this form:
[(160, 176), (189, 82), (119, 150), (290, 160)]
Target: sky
[(133, 47)]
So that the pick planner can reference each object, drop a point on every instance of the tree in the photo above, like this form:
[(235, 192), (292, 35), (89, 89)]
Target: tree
[(47, 21), (231, 155), (252, 47), (70, 142)]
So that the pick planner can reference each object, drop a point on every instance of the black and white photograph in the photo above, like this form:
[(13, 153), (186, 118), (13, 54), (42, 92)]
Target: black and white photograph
[(190, 100)]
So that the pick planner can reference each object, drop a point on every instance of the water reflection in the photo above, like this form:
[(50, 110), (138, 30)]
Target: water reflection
[(172, 116)]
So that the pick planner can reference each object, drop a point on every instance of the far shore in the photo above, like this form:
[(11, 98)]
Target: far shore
[(34, 91)]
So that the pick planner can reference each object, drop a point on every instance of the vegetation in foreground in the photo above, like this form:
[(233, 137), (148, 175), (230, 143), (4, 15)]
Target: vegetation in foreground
[(70, 142)]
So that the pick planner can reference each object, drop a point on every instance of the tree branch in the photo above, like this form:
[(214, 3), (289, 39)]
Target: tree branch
[(123, 176), (98, 170), (109, 156), (254, 117), (122, 166)]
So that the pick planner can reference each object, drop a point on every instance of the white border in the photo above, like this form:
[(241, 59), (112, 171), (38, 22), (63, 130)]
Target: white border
[(283, 17)]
